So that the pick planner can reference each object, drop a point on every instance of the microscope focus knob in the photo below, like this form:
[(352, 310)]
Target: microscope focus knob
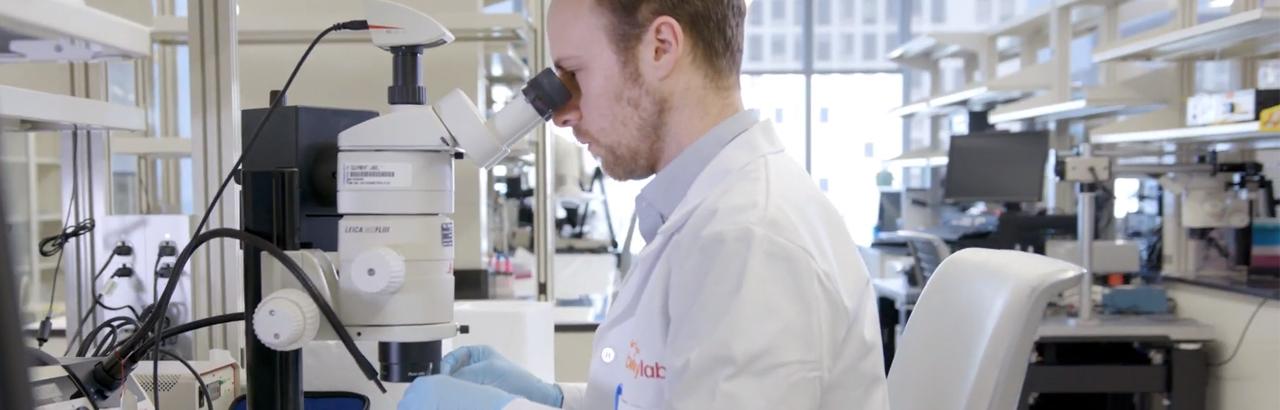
[(286, 320), (378, 270)]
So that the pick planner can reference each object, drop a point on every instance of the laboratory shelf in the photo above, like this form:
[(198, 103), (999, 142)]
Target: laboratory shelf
[(1211, 133), (38, 110), (1139, 94), (911, 109), (1004, 89), (150, 146), (260, 30), (1252, 32), (1027, 23), (922, 51), (1046, 108), (923, 157), (62, 30)]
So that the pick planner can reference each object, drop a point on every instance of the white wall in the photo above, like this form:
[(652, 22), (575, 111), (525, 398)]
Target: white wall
[(1251, 380)]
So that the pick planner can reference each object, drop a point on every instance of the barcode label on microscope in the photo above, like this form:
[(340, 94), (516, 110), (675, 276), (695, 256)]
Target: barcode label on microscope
[(391, 175)]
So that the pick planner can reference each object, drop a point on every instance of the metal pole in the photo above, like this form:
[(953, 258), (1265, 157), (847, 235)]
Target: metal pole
[(1085, 234), (544, 215)]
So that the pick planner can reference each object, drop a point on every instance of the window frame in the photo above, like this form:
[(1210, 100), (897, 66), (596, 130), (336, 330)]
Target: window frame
[(809, 52)]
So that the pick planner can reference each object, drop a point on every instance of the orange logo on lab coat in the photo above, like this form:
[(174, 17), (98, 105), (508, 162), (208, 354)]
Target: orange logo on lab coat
[(639, 368)]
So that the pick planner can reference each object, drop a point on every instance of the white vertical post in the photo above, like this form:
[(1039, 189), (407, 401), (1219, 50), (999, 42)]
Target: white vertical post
[(215, 128)]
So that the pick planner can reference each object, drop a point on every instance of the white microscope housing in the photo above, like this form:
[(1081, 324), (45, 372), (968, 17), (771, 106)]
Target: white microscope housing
[(395, 187)]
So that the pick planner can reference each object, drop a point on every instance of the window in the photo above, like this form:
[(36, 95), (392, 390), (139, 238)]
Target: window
[(1006, 9), (870, 11), (863, 127), (756, 14), (824, 12), (893, 11), (755, 48), (846, 11), (824, 50), (798, 11), (779, 47), (938, 12), (822, 115), (778, 10), (982, 12), (917, 10), (891, 42), (799, 48), (847, 45), (869, 50), (781, 97)]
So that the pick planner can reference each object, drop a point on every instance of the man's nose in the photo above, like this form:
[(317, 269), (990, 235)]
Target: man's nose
[(569, 115)]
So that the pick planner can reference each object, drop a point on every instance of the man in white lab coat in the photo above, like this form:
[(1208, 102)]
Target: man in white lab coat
[(750, 293)]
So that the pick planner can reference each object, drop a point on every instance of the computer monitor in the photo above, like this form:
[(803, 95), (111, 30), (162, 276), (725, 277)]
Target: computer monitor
[(997, 167)]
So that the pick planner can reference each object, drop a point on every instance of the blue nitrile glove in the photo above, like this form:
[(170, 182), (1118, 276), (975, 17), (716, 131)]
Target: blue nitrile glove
[(483, 365), (440, 392)]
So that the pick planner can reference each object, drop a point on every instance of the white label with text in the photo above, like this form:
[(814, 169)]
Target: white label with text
[(392, 175)]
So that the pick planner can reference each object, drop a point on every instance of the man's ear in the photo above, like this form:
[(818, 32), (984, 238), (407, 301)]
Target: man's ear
[(662, 48)]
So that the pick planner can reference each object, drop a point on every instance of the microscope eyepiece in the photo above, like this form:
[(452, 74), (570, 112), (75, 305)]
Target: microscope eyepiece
[(546, 93)]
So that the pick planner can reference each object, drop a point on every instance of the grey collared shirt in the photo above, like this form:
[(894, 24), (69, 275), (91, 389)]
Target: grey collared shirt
[(660, 197)]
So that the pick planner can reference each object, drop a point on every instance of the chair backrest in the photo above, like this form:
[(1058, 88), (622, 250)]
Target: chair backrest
[(969, 339), (928, 250)]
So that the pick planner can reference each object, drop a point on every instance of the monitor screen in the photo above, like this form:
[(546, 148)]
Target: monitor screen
[(997, 167)]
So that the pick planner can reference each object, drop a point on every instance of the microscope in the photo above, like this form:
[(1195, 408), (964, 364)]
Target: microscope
[(362, 202)]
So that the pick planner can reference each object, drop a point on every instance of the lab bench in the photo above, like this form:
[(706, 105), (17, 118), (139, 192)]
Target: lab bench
[(1114, 362)]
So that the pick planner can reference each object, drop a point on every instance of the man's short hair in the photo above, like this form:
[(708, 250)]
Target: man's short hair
[(714, 26)]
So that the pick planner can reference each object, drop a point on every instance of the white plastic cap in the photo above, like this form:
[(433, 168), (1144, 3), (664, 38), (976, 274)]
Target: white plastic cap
[(378, 271), (286, 320)]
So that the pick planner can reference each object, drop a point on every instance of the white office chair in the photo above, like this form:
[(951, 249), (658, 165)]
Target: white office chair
[(970, 337)]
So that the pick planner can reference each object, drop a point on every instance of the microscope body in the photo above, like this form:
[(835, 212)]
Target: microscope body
[(391, 277)]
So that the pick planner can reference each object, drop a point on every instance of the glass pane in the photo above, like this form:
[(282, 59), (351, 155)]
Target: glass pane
[(870, 49), (846, 11), (852, 141), (982, 12), (126, 185), (780, 97), (870, 11), (755, 49), (773, 42), (823, 15), (938, 11), (1209, 10)]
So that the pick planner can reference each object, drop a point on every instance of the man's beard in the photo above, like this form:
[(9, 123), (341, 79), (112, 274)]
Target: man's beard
[(634, 154)]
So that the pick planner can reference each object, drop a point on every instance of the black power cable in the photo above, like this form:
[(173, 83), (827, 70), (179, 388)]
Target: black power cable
[(109, 373), (106, 325), (204, 389), (201, 323), (353, 25), (257, 133), (52, 246), (1243, 332), (97, 299)]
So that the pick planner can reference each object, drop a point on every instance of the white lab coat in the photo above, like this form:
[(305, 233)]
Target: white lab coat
[(752, 295)]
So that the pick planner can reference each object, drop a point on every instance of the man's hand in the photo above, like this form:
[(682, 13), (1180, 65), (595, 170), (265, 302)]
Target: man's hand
[(483, 365), (441, 392)]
